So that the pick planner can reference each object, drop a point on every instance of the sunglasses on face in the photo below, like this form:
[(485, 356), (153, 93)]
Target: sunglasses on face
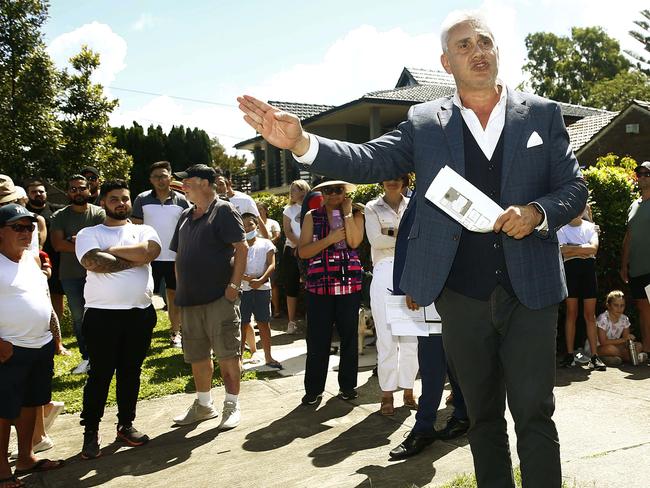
[(92, 178), (330, 190), (75, 189), (22, 228), (643, 174)]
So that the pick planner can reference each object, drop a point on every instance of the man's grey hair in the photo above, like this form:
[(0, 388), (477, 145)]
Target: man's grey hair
[(474, 17)]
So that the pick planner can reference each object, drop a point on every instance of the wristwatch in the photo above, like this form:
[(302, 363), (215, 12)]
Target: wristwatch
[(234, 287)]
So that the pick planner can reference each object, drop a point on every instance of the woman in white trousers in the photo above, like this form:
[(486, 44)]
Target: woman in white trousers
[(397, 361)]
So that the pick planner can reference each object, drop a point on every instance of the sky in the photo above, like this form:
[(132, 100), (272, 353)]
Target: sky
[(172, 63)]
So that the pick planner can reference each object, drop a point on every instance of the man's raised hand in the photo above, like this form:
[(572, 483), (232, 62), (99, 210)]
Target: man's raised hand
[(281, 129)]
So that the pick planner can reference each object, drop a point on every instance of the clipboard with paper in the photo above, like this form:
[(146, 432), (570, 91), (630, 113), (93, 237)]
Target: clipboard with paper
[(406, 322), (462, 201)]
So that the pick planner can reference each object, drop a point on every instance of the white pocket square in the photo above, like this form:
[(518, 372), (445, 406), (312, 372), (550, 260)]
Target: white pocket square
[(534, 140)]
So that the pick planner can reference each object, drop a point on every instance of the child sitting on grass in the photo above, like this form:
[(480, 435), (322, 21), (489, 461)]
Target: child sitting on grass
[(256, 289), (614, 331)]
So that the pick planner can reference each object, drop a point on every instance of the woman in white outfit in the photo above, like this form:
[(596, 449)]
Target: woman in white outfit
[(397, 361)]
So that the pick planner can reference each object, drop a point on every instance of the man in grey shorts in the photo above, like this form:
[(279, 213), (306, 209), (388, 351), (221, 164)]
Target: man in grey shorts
[(207, 237)]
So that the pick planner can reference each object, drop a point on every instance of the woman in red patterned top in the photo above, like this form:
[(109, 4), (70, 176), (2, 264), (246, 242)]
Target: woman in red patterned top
[(328, 240)]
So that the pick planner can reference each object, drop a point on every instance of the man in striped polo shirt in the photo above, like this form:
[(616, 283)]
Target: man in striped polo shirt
[(160, 208)]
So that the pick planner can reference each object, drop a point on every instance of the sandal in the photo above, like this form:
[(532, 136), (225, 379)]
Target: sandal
[(387, 406), (275, 364), (11, 482), (41, 465)]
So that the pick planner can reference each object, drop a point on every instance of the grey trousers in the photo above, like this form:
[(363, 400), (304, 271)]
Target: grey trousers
[(499, 348)]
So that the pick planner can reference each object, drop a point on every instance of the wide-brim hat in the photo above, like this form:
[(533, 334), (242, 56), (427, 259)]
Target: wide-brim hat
[(8, 192), (12, 212), (349, 187), (643, 165)]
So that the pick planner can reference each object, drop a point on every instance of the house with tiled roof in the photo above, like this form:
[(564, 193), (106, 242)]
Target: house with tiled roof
[(361, 120), (625, 133)]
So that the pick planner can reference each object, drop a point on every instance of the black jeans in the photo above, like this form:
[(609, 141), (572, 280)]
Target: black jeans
[(117, 341), (500, 349), (324, 311)]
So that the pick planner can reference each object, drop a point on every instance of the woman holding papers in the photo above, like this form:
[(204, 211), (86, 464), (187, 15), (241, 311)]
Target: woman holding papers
[(397, 361), (328, 241)]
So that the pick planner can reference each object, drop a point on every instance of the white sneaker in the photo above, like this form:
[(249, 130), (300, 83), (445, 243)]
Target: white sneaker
[(196, 413), (57, 408), (230, 416), (82, 368), (292, 327)]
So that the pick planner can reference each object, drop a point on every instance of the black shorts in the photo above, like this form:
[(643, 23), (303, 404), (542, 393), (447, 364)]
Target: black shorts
[(160, 270), (638, 284), (26, 379), (581, 278), (257, 303)]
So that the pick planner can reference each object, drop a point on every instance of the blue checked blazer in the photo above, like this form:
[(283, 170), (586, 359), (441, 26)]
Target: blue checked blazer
[(432, 137)]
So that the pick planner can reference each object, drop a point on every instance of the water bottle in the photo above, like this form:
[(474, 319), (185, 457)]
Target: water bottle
[(633, 355), (337, 223)]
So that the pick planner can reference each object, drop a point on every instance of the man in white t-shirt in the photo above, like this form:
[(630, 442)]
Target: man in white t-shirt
[(119, 317), (28, 327), (243, 203)]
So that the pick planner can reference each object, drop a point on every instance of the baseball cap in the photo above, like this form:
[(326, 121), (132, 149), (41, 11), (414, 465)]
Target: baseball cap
[(202, 171), (8, 192), (89, 169), (12, 212), (643, 165)]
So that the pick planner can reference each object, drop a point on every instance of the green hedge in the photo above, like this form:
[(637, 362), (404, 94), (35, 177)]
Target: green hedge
[(611, 184)]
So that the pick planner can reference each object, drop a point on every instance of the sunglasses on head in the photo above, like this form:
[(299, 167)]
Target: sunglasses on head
[(22, 228), (75, 189), (330, 190), (92, 178)]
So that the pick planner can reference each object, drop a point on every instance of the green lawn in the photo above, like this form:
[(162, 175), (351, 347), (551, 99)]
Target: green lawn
[(163, 372), (469, 481)]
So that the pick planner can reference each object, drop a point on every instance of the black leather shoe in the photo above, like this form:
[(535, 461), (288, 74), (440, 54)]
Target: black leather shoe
[(454, 428), (414, 443)]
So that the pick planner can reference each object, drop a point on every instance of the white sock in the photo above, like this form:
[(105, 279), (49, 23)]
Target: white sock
[(204, 397), (232, 398)]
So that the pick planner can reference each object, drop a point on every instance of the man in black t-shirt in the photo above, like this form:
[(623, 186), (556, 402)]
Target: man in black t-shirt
[(208, 236)]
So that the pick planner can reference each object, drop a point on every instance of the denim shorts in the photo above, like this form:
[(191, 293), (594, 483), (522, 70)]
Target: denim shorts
[(257, 303)]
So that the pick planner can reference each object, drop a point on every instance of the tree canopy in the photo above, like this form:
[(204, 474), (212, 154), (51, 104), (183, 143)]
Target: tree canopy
[(642, 36), (567, 68)]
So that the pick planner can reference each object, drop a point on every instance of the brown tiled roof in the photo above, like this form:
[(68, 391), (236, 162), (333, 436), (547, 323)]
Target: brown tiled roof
[(416, 93), (643, 103), (431, 77), (582, 131), (302, 110)]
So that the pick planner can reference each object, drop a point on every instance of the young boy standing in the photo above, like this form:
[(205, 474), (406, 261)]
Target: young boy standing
[(256, 288)]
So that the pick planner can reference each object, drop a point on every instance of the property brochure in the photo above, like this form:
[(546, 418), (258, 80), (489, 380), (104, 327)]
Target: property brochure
[(462, 201)]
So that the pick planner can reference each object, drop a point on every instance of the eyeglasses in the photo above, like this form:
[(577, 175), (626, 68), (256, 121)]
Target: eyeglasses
[(643, 174), (330, 190), (75, 189), (22, 228), (92, 178)]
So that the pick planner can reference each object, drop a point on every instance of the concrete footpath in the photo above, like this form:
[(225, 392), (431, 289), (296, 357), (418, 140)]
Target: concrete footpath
[(603, 419)]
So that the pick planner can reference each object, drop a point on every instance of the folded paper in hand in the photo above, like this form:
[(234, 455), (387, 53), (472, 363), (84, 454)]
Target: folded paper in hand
[(462, 201), (406, 322)]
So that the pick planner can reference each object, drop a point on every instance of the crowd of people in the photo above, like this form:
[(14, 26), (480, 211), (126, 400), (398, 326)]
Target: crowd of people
[(211, 252)]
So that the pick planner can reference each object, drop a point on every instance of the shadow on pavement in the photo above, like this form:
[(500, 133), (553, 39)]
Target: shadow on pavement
[(162, 452)]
